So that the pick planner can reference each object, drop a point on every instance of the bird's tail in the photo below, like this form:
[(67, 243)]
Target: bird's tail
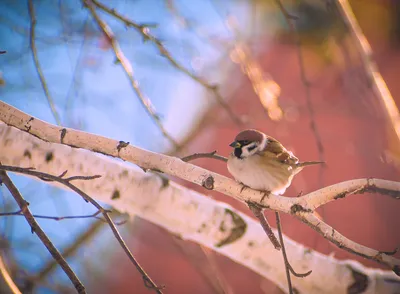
[(307, 163)]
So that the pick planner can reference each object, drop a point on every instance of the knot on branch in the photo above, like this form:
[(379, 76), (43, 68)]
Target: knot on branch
[(122, 144), (208, 183), (298, 208)]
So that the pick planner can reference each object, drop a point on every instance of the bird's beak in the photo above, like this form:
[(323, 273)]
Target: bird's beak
[(235, 144)]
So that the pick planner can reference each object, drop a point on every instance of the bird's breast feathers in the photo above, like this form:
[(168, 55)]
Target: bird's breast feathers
[(261, 173)]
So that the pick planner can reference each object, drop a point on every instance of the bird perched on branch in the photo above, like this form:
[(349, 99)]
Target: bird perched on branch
[(262, 163)]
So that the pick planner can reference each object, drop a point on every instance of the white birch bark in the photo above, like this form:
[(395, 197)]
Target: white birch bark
[(191, 216), (296, 206)]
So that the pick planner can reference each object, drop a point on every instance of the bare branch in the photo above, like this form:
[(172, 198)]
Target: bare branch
[(7, 277), (59, 218), (145, 32), (380, 88), (129, 71), (40, 233), (56, 218), (288, 266), (32, 16), (285, 259), (341, 241), (147, 280), (258, 213), (212, 154)]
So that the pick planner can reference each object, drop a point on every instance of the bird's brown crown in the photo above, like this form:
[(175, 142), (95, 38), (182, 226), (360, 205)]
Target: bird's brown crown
[(249, 135)]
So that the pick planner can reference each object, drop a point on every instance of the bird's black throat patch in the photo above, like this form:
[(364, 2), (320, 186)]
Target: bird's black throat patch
[(238, 152)]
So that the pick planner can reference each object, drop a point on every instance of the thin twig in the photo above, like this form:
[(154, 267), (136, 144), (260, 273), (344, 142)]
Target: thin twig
[(32, 16), (145, 32), (288, 266), (56, 218), (286, 262), (28, 171), (365, 51), (129, 71), (212, 154), (40, 233), (290, 20), (7, 277), (59, 218), (258, 213)]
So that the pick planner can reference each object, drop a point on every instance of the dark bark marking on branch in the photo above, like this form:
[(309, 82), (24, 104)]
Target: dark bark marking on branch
[(360, 284), (340, 195), (122, 144), (63, 133), (27, 124), (123, 174), (307, 251), (237, 231), (49, 156), (28, 154), (202, 227), (116, 194), (298, 208)]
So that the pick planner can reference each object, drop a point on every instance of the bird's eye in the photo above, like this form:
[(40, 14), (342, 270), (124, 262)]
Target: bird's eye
[(245, 142)]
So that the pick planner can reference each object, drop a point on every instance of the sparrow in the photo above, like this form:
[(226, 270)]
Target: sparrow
[(262, 163)]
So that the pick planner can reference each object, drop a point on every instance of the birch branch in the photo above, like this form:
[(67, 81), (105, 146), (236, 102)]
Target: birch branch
[(212, 224), (176, 167)]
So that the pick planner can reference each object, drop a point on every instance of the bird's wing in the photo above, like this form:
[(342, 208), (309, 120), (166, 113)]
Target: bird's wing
[(282, 154)]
